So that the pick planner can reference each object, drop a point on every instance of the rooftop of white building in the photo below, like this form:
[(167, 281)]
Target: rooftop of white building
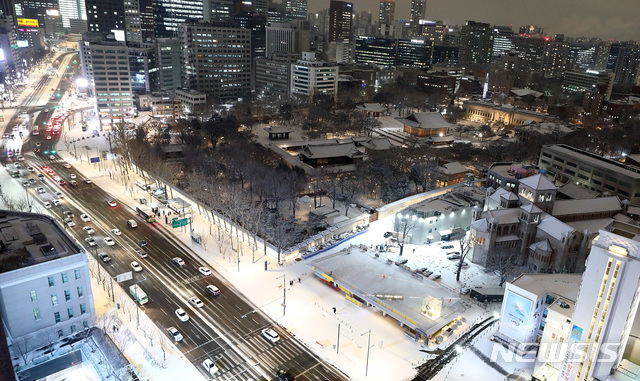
[(28, 239), (564, 285)]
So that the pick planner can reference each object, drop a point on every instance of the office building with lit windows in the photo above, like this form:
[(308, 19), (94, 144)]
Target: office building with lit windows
[(376, 51), (295, 9), (309, 77), (417, 16), (216, 59), (105, 65), (45, 287), (171, 15), (387, 12), (340, 20)]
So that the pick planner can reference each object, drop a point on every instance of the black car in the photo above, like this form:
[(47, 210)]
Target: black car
[(387, 234), (282, 375)]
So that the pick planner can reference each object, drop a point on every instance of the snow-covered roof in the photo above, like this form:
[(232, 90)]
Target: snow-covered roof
[(605, 164), (428, 120), (506, 216), (330, 150), (480, 225), (502, 193), (278, 129), (525, 92), (576, 192), (531, 208), (377, 143), (565, 285), (635, 210), (453, 168), (538, 182), (554, 227), (543, 245), (373, 107), (591, 226), (592, 205)]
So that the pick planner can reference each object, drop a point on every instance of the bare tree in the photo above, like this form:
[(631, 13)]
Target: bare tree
[(465, 247), (403, 225), (21, 348), (504, 261)]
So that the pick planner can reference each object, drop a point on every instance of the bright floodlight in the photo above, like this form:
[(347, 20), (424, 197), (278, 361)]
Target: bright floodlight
[(82, 82)]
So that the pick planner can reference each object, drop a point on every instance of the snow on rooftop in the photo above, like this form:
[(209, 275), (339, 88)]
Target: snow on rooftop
[(538, 182), (593, 205), (506, 216), (554, 227), (565, 285)]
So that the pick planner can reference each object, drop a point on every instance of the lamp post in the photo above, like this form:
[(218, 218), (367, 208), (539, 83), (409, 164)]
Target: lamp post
[(284, 295), (366, 369)]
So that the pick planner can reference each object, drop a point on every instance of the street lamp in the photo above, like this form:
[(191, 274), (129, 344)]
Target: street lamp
[(366, 370)]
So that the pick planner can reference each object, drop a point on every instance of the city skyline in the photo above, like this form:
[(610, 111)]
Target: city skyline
[(606, 20)]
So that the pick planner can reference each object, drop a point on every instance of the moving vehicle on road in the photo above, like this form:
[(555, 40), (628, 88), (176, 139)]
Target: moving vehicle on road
[(116, 231), (204, 271), (182, 315), (271, 335), (112, 203), (139, 296), (141, 253), (91, 241), (283, 375), (210, 367), (175, 335), (178, 261), (196, 301), (146, 213), (213, 290), (85, 217), (109, 241), (132, 224), (136, 266), (89, 230), (105, 257)]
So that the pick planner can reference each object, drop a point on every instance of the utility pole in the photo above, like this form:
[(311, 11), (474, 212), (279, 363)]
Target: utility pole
[(338, 343), (284, 295), (366, 369)]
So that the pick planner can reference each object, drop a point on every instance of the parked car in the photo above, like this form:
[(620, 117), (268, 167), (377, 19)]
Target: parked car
[(434, 276), (453, 257), (387, 234)]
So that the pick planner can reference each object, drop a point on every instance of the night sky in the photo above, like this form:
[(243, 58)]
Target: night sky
[(607, 19)]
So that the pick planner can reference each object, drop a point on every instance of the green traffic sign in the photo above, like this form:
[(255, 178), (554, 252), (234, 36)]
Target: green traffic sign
[(176, 223)]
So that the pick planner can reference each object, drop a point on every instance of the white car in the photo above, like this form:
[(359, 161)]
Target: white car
[(136, 266), (204, 271), (89, 230), (132, 224), (91, 241), (85, 217), (109, 241), (175, 335), (270, 335), (69, 222), (56, 203), (210, 367), (213, 290), (47, 205), (112, 203), (41, 190), (196, 302), (72, 176), (59, 194), (178, 261), (116, 231), (182, 315)]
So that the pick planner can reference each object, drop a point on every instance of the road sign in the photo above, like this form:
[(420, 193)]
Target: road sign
[(94, 159), (124, 276), (176, 223)]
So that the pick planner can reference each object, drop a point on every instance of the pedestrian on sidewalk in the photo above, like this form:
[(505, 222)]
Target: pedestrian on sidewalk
[(299, 280)]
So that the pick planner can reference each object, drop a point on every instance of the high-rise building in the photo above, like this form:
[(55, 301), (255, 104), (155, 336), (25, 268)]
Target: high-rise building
[(340, 20), (295, 9), (418, 13), (218, 10), (376, 51), (502, 40), (72, 10), (216, 59), (287, 37), (624, 61), (578, 81), (475, 41), (531, 49), (273, 74), (530, 30), (142, 65), (44, 280), (606, 306), (555, 59), (276, 13), (170, 15), (414, 53), (433, 31), (139, 21), (105, 64), (387, 12), (105, 16), (168, 58), (310, 77)]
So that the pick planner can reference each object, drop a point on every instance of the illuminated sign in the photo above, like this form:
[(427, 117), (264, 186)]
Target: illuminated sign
[(53, 12), (22, 43), (28, 23), (516, 317)]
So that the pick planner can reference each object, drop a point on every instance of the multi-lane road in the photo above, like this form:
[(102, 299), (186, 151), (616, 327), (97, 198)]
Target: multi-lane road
[(227, 329)]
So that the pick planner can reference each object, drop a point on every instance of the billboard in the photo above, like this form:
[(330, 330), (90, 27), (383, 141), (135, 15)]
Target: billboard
[(516, 317), (29, 23), (53, 12), (22, 43)]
